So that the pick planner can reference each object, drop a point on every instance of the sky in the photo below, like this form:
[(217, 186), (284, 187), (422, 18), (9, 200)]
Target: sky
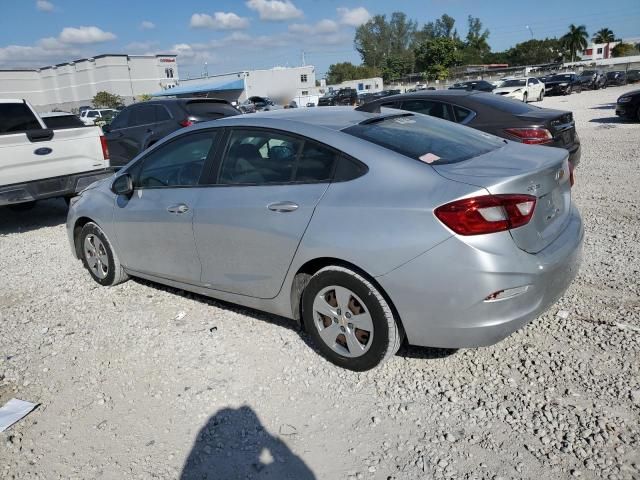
[(230, 35)]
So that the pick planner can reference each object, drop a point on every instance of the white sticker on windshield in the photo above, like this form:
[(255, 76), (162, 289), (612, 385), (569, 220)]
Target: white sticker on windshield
[(429, 158)]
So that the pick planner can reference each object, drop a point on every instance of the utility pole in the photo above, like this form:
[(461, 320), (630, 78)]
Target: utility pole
[(530, 31), (304, 63)]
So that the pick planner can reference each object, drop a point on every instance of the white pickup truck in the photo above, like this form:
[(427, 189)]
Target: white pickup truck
[(37, 162)]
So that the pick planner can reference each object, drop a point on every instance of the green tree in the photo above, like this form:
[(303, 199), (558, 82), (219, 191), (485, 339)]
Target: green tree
[(341, 72), (534, 51), (398, 65), (442, 27), (604, 35), (575, 40), (476, 45), (378, 39), (625, 49), (107, 100), (434, 57)]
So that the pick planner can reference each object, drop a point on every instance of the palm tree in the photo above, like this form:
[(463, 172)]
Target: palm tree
[(604, 35), (575, 39)]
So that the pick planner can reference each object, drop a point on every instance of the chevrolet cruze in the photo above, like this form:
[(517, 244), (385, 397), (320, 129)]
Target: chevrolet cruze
[(368, 228)]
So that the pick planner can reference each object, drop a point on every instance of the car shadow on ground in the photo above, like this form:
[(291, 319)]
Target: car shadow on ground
[(607, 120), (405, 351), (234, 444), (20, 219)]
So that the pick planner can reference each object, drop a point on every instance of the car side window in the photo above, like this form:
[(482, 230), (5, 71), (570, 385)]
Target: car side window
[(143, 115), (427, 107), (93, 114), (315, 163), (121, 119), (162, 114), (17, 117), (532, 81), (177, 164), (390, 105), (461, 113), (259, 157)]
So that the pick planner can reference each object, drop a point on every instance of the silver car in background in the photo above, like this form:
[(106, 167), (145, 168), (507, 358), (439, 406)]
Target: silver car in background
[(368, 228)]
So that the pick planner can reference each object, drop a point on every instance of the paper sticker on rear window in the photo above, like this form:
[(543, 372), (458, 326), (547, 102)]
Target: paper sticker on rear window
[(429, 158)]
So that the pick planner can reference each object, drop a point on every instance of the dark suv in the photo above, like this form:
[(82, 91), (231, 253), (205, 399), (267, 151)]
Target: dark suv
[(344, 96), (140, 125)]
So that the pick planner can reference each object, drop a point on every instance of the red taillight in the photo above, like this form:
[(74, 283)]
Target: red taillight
[(487, 214), (105, 148), (531, 136), (186, 122)]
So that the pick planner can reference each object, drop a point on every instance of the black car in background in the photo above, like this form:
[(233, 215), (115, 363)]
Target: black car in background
[(504, 117), (633, 76), (140, 125), (479, 85), (344, 96), (616, 78), (628, 105), (593, 79), (562, 84)]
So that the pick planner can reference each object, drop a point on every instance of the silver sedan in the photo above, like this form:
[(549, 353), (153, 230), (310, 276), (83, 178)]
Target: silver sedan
[(367, 228)]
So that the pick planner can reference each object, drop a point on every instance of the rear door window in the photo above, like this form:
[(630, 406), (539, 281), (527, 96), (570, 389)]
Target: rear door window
[(211, 110), (17, 117), (162, 115), (428, 107), (121, 120), (426, 139), (143, 115)]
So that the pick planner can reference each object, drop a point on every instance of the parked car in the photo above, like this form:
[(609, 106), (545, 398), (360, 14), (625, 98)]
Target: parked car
[(247, 107), (562, 84), (41, 161), (263, 104), (89, 117), (480, 85), (628, 105), (56, 120), (527, 89), (141, 125), (498, 115), (592, 79), (344, 96), (443, 230), (616, 78), (633, 76)]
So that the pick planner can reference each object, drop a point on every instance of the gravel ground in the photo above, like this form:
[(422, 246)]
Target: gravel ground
[(143, 381)]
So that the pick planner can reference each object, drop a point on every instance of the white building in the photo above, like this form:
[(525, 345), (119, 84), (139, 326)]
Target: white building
[(602, 51), (280, 84), (71, 85)]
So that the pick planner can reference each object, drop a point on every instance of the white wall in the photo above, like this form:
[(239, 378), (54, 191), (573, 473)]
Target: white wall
[(365, 85), (74, 84)]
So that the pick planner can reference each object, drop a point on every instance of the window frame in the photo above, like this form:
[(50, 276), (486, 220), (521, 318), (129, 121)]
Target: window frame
[(212, 177), (446, 105), (206, 168)]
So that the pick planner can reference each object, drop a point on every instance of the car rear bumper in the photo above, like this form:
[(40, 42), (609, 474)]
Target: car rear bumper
[(441, 295), (63, 186)]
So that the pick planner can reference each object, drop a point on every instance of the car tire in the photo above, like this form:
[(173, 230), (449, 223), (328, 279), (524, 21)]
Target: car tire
[(541, 96), (568, 90), (344, 295), (525, 97), (638, 114), (99, 257)]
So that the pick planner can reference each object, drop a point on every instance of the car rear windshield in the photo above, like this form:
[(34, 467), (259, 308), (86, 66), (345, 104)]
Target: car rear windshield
[(210, 109), (503, 104), (63, 121), (425, 138)]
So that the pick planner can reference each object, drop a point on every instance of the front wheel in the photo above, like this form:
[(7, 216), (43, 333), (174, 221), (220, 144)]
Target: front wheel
[(349, 320), (99, 257), (541, 96), (568, 91)]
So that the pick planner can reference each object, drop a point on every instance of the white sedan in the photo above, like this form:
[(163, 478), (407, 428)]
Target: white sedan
[(527, 89)]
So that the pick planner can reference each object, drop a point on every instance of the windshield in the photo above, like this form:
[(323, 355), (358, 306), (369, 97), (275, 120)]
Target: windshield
[(560, 78), (330, 94), (425, 138), (513, 83)]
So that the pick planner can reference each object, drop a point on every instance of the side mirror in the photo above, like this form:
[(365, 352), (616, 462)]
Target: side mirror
[(122, 185)]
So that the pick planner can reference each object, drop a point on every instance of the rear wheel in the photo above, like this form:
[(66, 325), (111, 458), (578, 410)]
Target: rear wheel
[(541, 96), (349, 320), (568, 90), (99, 257), (525, 97)]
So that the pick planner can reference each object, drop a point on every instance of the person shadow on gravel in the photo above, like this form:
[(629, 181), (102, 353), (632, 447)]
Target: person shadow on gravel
[(234, 445)]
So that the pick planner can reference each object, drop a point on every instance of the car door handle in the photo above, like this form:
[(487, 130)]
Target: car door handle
[(178, 209), (283, 207)]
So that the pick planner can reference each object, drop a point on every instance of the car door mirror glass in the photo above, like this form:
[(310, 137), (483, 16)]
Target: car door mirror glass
[(122, 185)]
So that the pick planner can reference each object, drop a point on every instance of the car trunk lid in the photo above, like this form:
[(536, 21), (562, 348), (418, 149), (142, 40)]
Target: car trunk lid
[(560, 123), (523, 169)]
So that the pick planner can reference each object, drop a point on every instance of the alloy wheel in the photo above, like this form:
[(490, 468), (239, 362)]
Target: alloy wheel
[(96, 255), (343, 322)]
